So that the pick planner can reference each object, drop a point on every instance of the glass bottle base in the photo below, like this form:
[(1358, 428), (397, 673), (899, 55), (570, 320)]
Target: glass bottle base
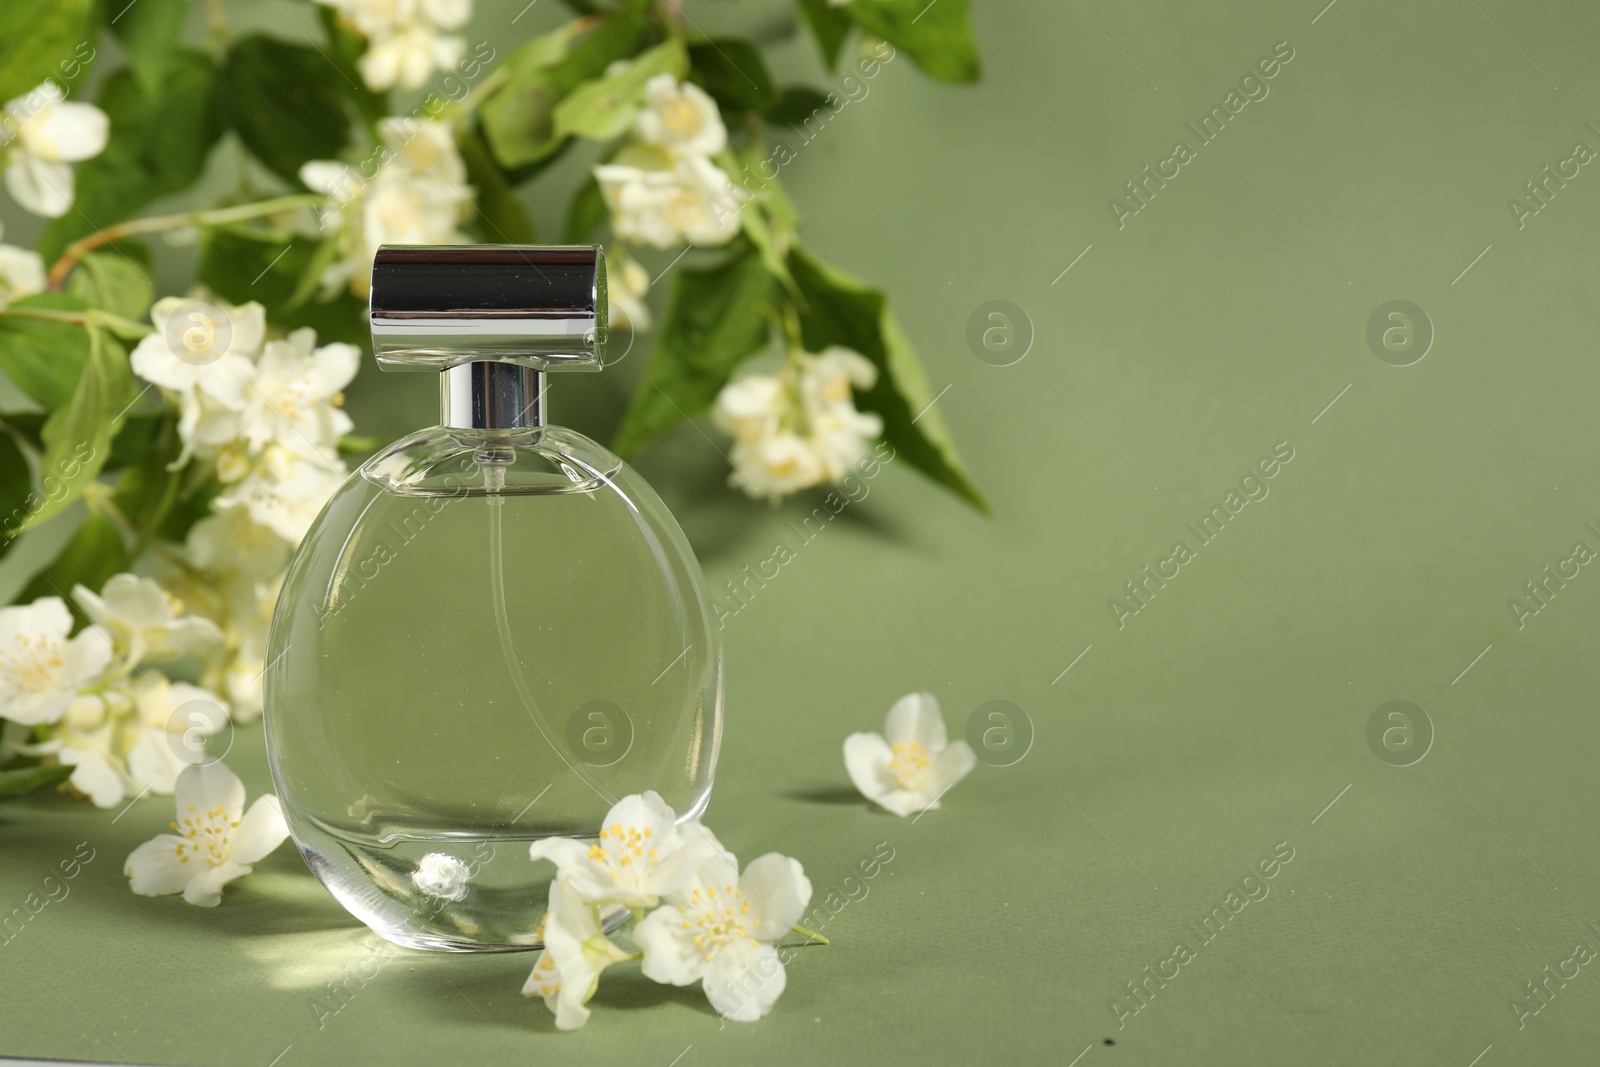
[(441, 894)]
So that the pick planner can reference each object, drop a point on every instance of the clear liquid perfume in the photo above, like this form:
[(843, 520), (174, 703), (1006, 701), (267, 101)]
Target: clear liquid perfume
[(494, 630)]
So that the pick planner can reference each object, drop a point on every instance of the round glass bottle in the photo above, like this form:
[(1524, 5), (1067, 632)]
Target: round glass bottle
[(494, 630)]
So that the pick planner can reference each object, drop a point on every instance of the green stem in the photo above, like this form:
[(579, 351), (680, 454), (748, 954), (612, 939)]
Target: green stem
[(86, 319), (98, 497), (811, 935), (790, 322), (793, 371), (214, 217)]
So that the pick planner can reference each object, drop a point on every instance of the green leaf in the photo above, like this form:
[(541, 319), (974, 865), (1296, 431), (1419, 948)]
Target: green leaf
[(733, 72), (839, 310), (94, 554), (518, 119), (829, 25), (193, 504), (148, 30), (768, 219), (585, 214), (42, 39), (753, 223), (16, 486), (112, 282), (77, 436), (26, 425), (42, 358), (242, 263), (605, 107), (345, 49), (147, 490), (27, 779), (525, 173), (717, 317), (501, 217), (938, 36), (285, 102), (139, 434), (795, 105), (158, 147)]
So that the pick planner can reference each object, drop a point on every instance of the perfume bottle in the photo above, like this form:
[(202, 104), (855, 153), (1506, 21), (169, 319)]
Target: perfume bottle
[(495, 629)]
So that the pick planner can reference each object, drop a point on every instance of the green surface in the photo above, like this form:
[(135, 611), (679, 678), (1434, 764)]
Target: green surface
[(1221, 720)]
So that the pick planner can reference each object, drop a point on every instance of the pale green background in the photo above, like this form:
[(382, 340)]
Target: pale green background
[(1195, 739)]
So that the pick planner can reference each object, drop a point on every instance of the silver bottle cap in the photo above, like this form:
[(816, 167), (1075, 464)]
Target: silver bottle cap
[(438, 306)]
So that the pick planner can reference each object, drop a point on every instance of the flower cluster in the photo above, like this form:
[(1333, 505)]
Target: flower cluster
[(799, 427), (41, 136), (265, 414), (913, 763), (405, 42), (706, 922), (83, 701), (663, 188), (417, 193)]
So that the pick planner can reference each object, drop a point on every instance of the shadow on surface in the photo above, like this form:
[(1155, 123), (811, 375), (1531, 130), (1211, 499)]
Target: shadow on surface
[(463, 989), (840, 794)]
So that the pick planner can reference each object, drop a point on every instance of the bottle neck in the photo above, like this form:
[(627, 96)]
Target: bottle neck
[(491, 396)]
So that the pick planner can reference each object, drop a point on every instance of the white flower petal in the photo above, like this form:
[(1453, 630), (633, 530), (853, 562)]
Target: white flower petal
[(578, 951), (228, 380), (94, 776), (670, 954), (688, 855), (905, 802), (204, 789), (261, 830), (48, 616), (205, 888), (778, 891), (866, 758), (681, 117), (448, 14), (950, 766), (41, 187), (87, 655), (646, 814), (744, 980), (195, 637), (333, 368), (380, 67), (127, 599), (37, 709), (22, 273), (697, 830), (915, 720), (249, 323), (564, 852), (153, 868), (545, 981), (75, 132), (330, 178), (154, 361), (154, 762)]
